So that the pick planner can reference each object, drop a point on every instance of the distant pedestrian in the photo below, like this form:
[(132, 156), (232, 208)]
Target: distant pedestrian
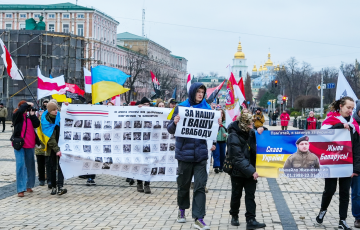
[(258, 119), (270, 116), (284, 118), (275, 117), (24, 124), (3, 115), (220, 151), (311, 121)]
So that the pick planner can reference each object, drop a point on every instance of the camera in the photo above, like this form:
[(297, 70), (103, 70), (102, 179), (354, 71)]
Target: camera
[(32, 108)]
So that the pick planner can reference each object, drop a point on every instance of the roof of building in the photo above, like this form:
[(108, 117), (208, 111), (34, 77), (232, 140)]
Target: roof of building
[(239, 54), (59, 6), (133, 37), (178, 57)]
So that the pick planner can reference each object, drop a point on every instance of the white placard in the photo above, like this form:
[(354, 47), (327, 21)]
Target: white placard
[(197, 123)]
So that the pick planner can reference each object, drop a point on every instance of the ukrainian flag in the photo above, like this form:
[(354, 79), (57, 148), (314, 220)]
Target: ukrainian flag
[(46, 129), (107, 82)]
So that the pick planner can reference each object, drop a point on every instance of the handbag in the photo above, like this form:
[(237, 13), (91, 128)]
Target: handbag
[(18, 142), (227, 167)]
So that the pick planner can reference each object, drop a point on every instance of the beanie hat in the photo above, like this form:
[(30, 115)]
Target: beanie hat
[(132, 103), (144, 100), (304, 138), (51, 106)]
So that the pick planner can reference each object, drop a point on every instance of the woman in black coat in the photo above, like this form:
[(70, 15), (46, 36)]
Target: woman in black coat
[(241, 146)]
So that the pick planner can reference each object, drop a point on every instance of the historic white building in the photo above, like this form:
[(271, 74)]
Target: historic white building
[(239, 67)]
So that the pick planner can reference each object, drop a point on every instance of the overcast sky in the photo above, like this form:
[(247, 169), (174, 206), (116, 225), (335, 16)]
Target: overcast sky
[(323, 33)]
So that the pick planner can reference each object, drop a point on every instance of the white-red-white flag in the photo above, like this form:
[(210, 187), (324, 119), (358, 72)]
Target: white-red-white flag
[(87, 80), (188, 84), (116, 100), (9, 63), (49, 86)]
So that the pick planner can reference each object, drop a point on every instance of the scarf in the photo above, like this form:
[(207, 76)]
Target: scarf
[(46, 128), (333, 118), (202, 105)]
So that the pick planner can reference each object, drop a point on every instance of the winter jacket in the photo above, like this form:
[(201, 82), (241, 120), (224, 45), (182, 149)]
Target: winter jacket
[(222, 130), (258, 120), (311, 123), (275, 116), (285, 118), (3, 112), (18, 120), (188, 149), (241, 149), (54, 139)]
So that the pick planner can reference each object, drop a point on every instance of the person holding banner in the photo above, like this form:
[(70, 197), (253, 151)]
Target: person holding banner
[(241, 146), (192, 156), (339, 117)]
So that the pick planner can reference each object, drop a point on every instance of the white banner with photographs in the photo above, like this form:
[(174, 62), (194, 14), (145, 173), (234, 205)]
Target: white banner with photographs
[(123, 141)]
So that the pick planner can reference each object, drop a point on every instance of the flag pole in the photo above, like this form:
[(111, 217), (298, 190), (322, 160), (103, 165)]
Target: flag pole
[(28, 88)]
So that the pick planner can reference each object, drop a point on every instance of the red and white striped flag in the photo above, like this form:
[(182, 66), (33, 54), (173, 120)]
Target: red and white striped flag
[(48, 87), (188, 84), (87, 80), (116, 100), (9, 63)]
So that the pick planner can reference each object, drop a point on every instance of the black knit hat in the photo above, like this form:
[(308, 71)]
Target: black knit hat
[(144, 100), (304, 138)]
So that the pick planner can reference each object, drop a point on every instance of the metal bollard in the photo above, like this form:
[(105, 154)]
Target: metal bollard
[(295, 123)]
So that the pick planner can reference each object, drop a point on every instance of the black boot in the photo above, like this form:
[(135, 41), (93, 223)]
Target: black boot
[(320, 217), (235, 221), (53, 191), (61, 191), (253, 224)]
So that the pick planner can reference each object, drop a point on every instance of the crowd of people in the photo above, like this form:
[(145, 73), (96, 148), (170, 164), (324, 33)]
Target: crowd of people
[(237, 143)]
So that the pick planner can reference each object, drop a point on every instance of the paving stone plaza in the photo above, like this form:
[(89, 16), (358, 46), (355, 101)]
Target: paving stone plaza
[(112, 204)]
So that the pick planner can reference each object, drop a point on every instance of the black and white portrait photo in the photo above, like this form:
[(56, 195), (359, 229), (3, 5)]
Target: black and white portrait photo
[(155, 136), (137, 148), (165, 135), (107, 163), (117, 124), (77, 136), (127, 148), (171, 159), (97, 137), (146, 148), (161, 171), (69, 122), (97, 124), (146, 136), (107, 148), (147, 124), (155, 147), (172, 147), (107, 124), (86, 136), (136, 136), (67, 135), (154, 171), (77, 148), (98, 159), (107, 137), (127, 125), (137, 124), (163, 146), (117, 148), (162, 159), (165, 124), (78, 124), (117, 136), (87, 124), (67, 148), (157, 125), (97, 149), (127, 136), (87, 148)]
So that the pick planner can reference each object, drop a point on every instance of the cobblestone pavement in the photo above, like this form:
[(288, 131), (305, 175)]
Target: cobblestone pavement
[(113, 204)]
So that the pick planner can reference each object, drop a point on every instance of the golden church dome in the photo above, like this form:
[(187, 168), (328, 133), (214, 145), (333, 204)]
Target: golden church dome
[(269, 62), (239, 54), (260, 69), (254, 69)]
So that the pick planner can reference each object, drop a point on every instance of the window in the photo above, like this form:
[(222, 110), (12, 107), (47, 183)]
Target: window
[(51, 15), (66, 16), (66, 28), (22, 15), (240, 74), (80, 16), (52, 27), (36, 15), (8, 15), (22, 26), (8, 26), (80, 30)]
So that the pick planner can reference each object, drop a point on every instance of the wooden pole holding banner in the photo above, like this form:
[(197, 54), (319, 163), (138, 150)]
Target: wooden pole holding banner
[(29, 89)]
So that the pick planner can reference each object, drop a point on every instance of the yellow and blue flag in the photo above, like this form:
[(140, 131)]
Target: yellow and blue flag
[(46, 129), (107, 82)]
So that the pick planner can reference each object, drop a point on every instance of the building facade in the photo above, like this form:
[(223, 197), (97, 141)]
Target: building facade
[(239, 67)]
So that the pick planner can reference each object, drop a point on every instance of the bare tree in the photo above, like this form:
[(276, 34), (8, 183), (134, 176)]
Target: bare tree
[(247, 86), (214, 74)]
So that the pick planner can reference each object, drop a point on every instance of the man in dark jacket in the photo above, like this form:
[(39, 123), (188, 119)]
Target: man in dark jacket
[(241, 146), (192, 156)]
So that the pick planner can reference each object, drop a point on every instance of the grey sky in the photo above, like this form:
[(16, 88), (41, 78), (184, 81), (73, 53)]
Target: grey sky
[(332, 22)]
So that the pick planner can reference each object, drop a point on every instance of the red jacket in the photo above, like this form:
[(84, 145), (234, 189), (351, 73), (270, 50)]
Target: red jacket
[(311, 123), (285, 118)]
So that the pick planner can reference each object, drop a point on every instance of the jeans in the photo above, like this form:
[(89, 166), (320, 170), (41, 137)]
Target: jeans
[(186, 170), (355, 197), (41, 167), (53, 162), (344, 193), (237, 186), (269, 121), (25, 169), (219, 155), (2, 119)]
